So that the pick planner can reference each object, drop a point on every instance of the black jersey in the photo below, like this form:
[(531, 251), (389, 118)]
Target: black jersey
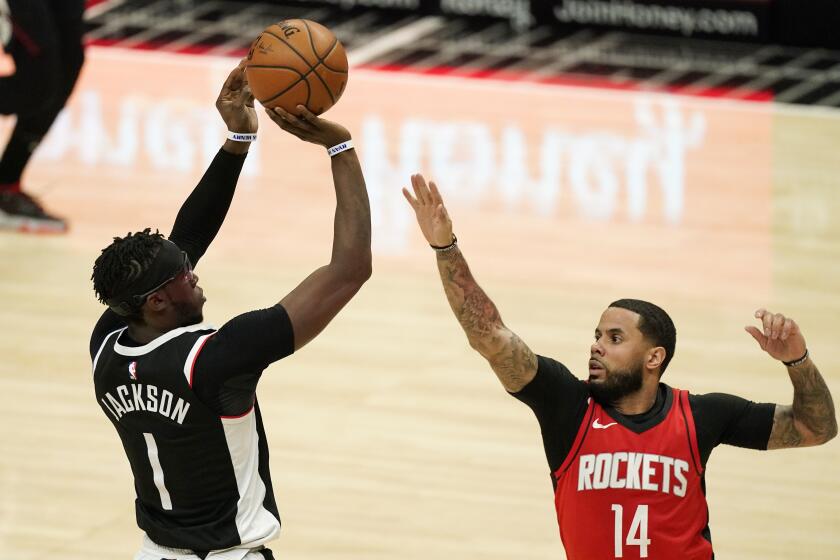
[(202, 479)]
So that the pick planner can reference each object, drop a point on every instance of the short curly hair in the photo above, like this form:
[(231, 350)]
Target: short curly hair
[(656, 325)]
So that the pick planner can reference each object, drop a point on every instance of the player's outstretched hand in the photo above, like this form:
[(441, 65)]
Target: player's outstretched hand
[(780, 336), (309, 127), (431, 214), (236, 102)]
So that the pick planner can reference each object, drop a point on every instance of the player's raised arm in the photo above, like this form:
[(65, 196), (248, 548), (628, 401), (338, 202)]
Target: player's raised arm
[(811, 419), (314, 303), (203, 212), (514, 363)]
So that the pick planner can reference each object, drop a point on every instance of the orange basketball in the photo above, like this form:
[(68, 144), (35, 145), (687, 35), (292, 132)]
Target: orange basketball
[(297, 62)]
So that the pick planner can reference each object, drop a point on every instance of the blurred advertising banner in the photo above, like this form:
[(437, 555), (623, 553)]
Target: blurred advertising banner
[(789, 22), (541, 178), (717, 19)]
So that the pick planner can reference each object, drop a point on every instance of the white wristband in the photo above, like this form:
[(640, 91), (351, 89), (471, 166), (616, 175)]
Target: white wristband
[(338, 148), (242, 136)]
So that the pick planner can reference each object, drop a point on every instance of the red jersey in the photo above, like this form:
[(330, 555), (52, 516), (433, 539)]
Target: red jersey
[(622, 494)]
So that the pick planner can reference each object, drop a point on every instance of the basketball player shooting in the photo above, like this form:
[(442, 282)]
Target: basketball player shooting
[(181, 394), (627, 452)]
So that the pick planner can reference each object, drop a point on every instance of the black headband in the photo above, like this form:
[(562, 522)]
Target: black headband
[(168, 261)]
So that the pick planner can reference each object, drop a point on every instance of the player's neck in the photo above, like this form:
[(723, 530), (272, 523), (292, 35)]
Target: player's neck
[(639, 402), (144, 333)]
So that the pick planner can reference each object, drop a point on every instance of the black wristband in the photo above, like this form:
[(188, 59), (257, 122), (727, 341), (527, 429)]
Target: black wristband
[(445, 247), (797, 362)]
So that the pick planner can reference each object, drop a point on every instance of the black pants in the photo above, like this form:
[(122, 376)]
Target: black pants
[(47, 48)]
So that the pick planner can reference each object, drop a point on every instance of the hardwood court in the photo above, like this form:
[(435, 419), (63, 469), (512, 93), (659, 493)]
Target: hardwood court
[(390, 438)]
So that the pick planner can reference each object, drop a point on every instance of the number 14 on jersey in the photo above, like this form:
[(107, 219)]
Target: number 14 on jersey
[(637, 535)]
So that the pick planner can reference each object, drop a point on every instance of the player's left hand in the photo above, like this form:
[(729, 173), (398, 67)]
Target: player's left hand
[(780, 336), (236, 102), (309, 127)]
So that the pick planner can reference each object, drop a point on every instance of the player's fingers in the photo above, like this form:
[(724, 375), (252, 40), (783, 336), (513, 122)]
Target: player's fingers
[(234, 78), (767, 323), (306, 115), (247, 96), (409, 198), (776, 328), (415, 186), (788, 324), (420, 188), (756, 334), (435, 193)]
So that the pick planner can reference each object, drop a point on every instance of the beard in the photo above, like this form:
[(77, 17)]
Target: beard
[(188, 314), (616, 384)]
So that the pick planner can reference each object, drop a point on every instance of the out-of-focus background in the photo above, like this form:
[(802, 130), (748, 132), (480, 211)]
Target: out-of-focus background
[(684, 152)]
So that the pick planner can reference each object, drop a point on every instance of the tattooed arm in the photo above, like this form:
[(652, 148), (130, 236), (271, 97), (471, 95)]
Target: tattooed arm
[(514, 363), (811, 419)]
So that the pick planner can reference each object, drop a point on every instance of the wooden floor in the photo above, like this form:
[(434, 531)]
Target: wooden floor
[(389, 437)]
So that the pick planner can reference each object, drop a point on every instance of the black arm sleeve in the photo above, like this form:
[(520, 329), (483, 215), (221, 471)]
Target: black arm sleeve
[(196, 225), (202, 214), (232, 360), (558, 400), (722, 418)]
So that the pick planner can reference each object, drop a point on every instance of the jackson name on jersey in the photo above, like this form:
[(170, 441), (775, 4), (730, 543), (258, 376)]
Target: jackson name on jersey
[(139, 397)]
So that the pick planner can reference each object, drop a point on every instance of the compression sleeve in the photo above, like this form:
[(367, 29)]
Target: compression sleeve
[(202, 214), (722, 418), (559, 401), (230, 363)]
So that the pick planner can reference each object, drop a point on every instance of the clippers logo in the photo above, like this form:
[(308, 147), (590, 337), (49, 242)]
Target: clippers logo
[(132, 370)]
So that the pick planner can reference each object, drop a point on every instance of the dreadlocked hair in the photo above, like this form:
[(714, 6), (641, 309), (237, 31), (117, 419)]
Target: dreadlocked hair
[(123, 261)]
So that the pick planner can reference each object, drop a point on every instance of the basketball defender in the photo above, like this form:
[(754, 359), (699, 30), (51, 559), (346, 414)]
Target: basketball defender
[(44, 38), (628, 453), (182, 394)]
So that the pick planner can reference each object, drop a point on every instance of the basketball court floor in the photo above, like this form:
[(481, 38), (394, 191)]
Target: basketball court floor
[(389, 437)]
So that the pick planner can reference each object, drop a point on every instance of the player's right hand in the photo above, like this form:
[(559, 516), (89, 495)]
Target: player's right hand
[(780, 337), (431, 214), (309, 127), (236, 102)]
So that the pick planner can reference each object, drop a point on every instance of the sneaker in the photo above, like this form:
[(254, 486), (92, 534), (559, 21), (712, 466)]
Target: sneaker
[(21, 212)]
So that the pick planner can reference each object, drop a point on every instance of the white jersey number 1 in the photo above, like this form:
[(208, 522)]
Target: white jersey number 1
[(636, 536), (157, 471)]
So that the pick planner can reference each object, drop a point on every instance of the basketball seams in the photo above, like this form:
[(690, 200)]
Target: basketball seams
[(303, 58), (301, 78), (323, 60), (289, 88)]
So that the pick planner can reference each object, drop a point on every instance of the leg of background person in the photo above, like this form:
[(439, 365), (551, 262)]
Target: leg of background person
[(49, 53)]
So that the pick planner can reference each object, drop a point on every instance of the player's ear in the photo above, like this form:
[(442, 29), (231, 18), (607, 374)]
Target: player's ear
[(157, 302), (655, 357)]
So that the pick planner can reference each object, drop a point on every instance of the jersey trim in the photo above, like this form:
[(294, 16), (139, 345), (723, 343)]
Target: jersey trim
[(102, 346), (581, 435), (237, 416), (255, 524), (688, 418), (189, 365), (162, 339)]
